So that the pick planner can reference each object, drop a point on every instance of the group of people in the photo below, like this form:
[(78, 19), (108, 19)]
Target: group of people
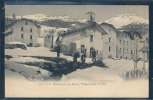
[(77, 55), (83, 57)]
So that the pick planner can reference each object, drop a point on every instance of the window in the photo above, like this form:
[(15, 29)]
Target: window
[(97, 52), (120, 41), (91, 38), (26, 23), (109, 40), (21, 28), (109, 49), (31, 37), (120, 49), (31, 30), (127, 42), (22, 36), (127, 50)]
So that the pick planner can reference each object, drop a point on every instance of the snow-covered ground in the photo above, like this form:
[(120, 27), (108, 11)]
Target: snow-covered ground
[(37, 51), (90, 82), (29, 72)]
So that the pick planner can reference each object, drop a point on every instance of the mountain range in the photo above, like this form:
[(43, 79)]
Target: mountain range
[(128, 22)]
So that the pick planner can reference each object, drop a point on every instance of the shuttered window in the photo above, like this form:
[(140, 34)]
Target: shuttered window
[(91, 38)]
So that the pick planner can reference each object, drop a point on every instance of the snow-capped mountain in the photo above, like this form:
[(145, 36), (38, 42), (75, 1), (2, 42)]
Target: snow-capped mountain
[(43, 17), (125, 19), (62, 21)]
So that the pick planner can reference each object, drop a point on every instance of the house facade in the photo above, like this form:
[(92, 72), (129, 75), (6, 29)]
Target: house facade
[(84, 39), (110, 41), (121, 44), (25, 31)]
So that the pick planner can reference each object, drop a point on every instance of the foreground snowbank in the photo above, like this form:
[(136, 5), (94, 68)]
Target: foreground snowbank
[(123, 65), (20, 87), (29, 72), (26, 59), (112, 73), (92, 82)]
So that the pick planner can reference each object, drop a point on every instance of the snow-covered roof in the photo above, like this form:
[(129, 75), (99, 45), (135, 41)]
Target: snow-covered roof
[(112, 26), (89, 26), (130, 33), (144, 49), (22, 20), (15, 43)]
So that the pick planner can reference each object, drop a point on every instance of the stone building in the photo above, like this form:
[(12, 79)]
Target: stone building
[(24, 30)]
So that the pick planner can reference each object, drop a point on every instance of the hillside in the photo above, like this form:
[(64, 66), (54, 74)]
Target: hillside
[(141, 28)]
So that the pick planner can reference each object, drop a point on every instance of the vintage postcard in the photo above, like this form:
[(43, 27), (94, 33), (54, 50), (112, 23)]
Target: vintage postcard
[(77, 51)]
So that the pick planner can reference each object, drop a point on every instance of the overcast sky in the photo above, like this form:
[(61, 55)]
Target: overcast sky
[(103, 12)]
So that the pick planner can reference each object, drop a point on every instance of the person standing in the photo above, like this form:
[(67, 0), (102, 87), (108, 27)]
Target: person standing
[(83, 57), (94, 55), (76, 55), (58, 50)]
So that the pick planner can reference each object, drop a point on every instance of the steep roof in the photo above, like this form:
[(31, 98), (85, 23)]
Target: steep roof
[(8, 33), (22, 20), (130, 33), (112, 26), (144, 49), (89, 26)]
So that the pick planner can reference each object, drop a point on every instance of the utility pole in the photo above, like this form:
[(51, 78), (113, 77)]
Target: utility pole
[(136, 57)]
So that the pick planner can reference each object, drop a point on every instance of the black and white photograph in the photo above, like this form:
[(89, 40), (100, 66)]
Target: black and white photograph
[(77, 51)]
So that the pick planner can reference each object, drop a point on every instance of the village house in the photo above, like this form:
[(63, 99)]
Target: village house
[(111, 42), (49, 41), (120, 44), (23, 30), (50, 34), (132, 44), (84, 39)]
